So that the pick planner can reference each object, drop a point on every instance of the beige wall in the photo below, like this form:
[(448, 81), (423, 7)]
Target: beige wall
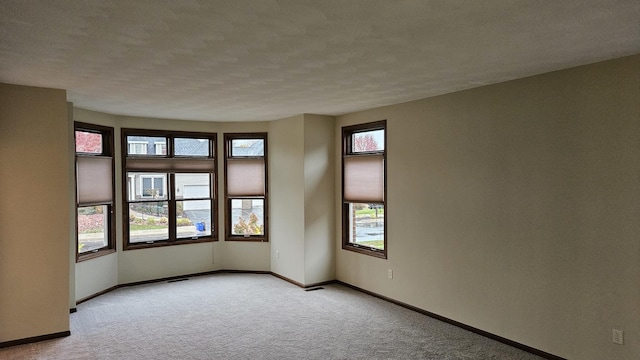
[(301, 190), (34, 212), (319, 205), (514, 208), (286, 189)]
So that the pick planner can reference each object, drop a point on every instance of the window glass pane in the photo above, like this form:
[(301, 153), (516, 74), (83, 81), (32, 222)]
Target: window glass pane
[(148, 221), (247, 147), (146, 186), (247, 217), (93, 229), (88, 142), (191, 147), (147, 183), (193, 186), (193, 218), (366, 225), (158, 187), (146, 145), (367, 141)]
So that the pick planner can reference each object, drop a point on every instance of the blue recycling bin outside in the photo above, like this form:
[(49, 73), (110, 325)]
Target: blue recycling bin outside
[(200, 226)]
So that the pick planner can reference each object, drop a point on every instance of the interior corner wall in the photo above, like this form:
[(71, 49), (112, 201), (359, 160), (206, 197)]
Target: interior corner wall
[(301, 186), (34, 197), (319, 205), (514, 208), (286, 194)]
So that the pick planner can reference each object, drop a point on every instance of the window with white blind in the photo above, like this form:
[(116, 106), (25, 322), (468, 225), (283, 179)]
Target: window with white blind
[(246, 186), (169, 188), (94, 190), (364, 188)]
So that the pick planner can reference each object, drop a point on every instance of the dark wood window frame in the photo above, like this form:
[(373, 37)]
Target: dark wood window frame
[(107, 134), (228, 138), (347, 151), (174, 161)]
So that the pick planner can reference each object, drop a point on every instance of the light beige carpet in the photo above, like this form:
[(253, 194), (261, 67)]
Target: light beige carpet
[(250, 316)]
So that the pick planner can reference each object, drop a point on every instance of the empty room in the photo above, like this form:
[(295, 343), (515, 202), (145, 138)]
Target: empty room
[(299, 179)]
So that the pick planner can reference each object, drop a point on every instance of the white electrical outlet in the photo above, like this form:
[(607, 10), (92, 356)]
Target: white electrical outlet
[(390, 274), (277, 254), (618, 336)]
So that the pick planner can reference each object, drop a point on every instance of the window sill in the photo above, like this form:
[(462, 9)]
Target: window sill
[(382, 254), (93, 254), (162, 243), (247, 239)]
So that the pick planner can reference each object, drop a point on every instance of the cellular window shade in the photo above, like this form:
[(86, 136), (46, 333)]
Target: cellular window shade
[(245, 177), (364, 178), (170, 164), (94, 180)]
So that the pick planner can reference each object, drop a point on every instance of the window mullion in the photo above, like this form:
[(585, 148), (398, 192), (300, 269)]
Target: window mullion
[(173, 236)]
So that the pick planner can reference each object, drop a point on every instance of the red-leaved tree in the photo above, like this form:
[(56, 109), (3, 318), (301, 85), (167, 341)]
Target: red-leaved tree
[(364, 142), (88, 142)]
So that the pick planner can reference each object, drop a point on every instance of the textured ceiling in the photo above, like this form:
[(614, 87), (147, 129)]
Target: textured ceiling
[(240, 60)]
